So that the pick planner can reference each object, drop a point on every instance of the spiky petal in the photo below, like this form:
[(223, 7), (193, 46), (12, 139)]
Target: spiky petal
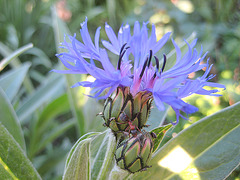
[(144, 73)]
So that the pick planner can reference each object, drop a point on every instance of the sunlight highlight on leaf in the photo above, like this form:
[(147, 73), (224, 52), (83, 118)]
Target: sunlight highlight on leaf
[(176, 160), (7, 169), (185, 6), (88, 89)]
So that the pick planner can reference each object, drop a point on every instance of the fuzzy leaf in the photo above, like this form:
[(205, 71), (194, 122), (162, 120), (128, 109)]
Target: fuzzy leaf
[(95, 151), (103, 158), (85, 136), (79, 164), (13, 160)]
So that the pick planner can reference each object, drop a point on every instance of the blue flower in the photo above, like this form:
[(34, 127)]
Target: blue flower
[(138, 67)]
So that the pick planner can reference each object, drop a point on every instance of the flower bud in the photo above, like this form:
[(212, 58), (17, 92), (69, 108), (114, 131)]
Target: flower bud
[(123, 109), (133, 154)]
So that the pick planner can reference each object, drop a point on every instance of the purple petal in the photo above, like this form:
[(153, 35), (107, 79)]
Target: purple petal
[(97, 38), (161, 42), (112, 37)]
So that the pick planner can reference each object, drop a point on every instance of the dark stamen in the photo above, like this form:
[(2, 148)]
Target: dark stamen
[(121, 55), (164, 62), (157, 64), (150, 58), (155, 74), (144, 67), (122, 48)]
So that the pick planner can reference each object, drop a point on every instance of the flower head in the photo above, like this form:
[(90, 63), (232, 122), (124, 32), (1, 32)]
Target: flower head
[(142, 73)]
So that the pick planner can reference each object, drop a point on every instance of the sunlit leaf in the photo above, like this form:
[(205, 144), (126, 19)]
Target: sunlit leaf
[(5, 173)]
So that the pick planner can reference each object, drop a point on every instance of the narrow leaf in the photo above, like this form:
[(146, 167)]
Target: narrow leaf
[(11, 81), (55, 133), (50, 137), (160, 131), (16, 53), (9, 119), (6, 52), (13, 159), (44, 124), (41, 96), (209, 150), (53, 109)]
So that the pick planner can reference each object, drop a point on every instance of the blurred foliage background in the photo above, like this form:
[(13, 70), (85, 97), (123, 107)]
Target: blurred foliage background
[(52, 115)]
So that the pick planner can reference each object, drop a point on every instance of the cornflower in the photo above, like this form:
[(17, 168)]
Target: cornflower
[(138, 69)]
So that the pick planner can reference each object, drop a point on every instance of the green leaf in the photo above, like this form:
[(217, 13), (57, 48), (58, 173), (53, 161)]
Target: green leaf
[(209, 150), (94, 12), (117, 173), (41, 57), (77, 100), (52, 161), (56, 107), (56, 132), (42, 95), (13, 159), (5, 172), (79, 164), (16, 53), (100, 156), (7, 52), (44, 123), (49, 137), (11, 81), (103, 159), (85, 136), (9, 119), (160, 132)]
